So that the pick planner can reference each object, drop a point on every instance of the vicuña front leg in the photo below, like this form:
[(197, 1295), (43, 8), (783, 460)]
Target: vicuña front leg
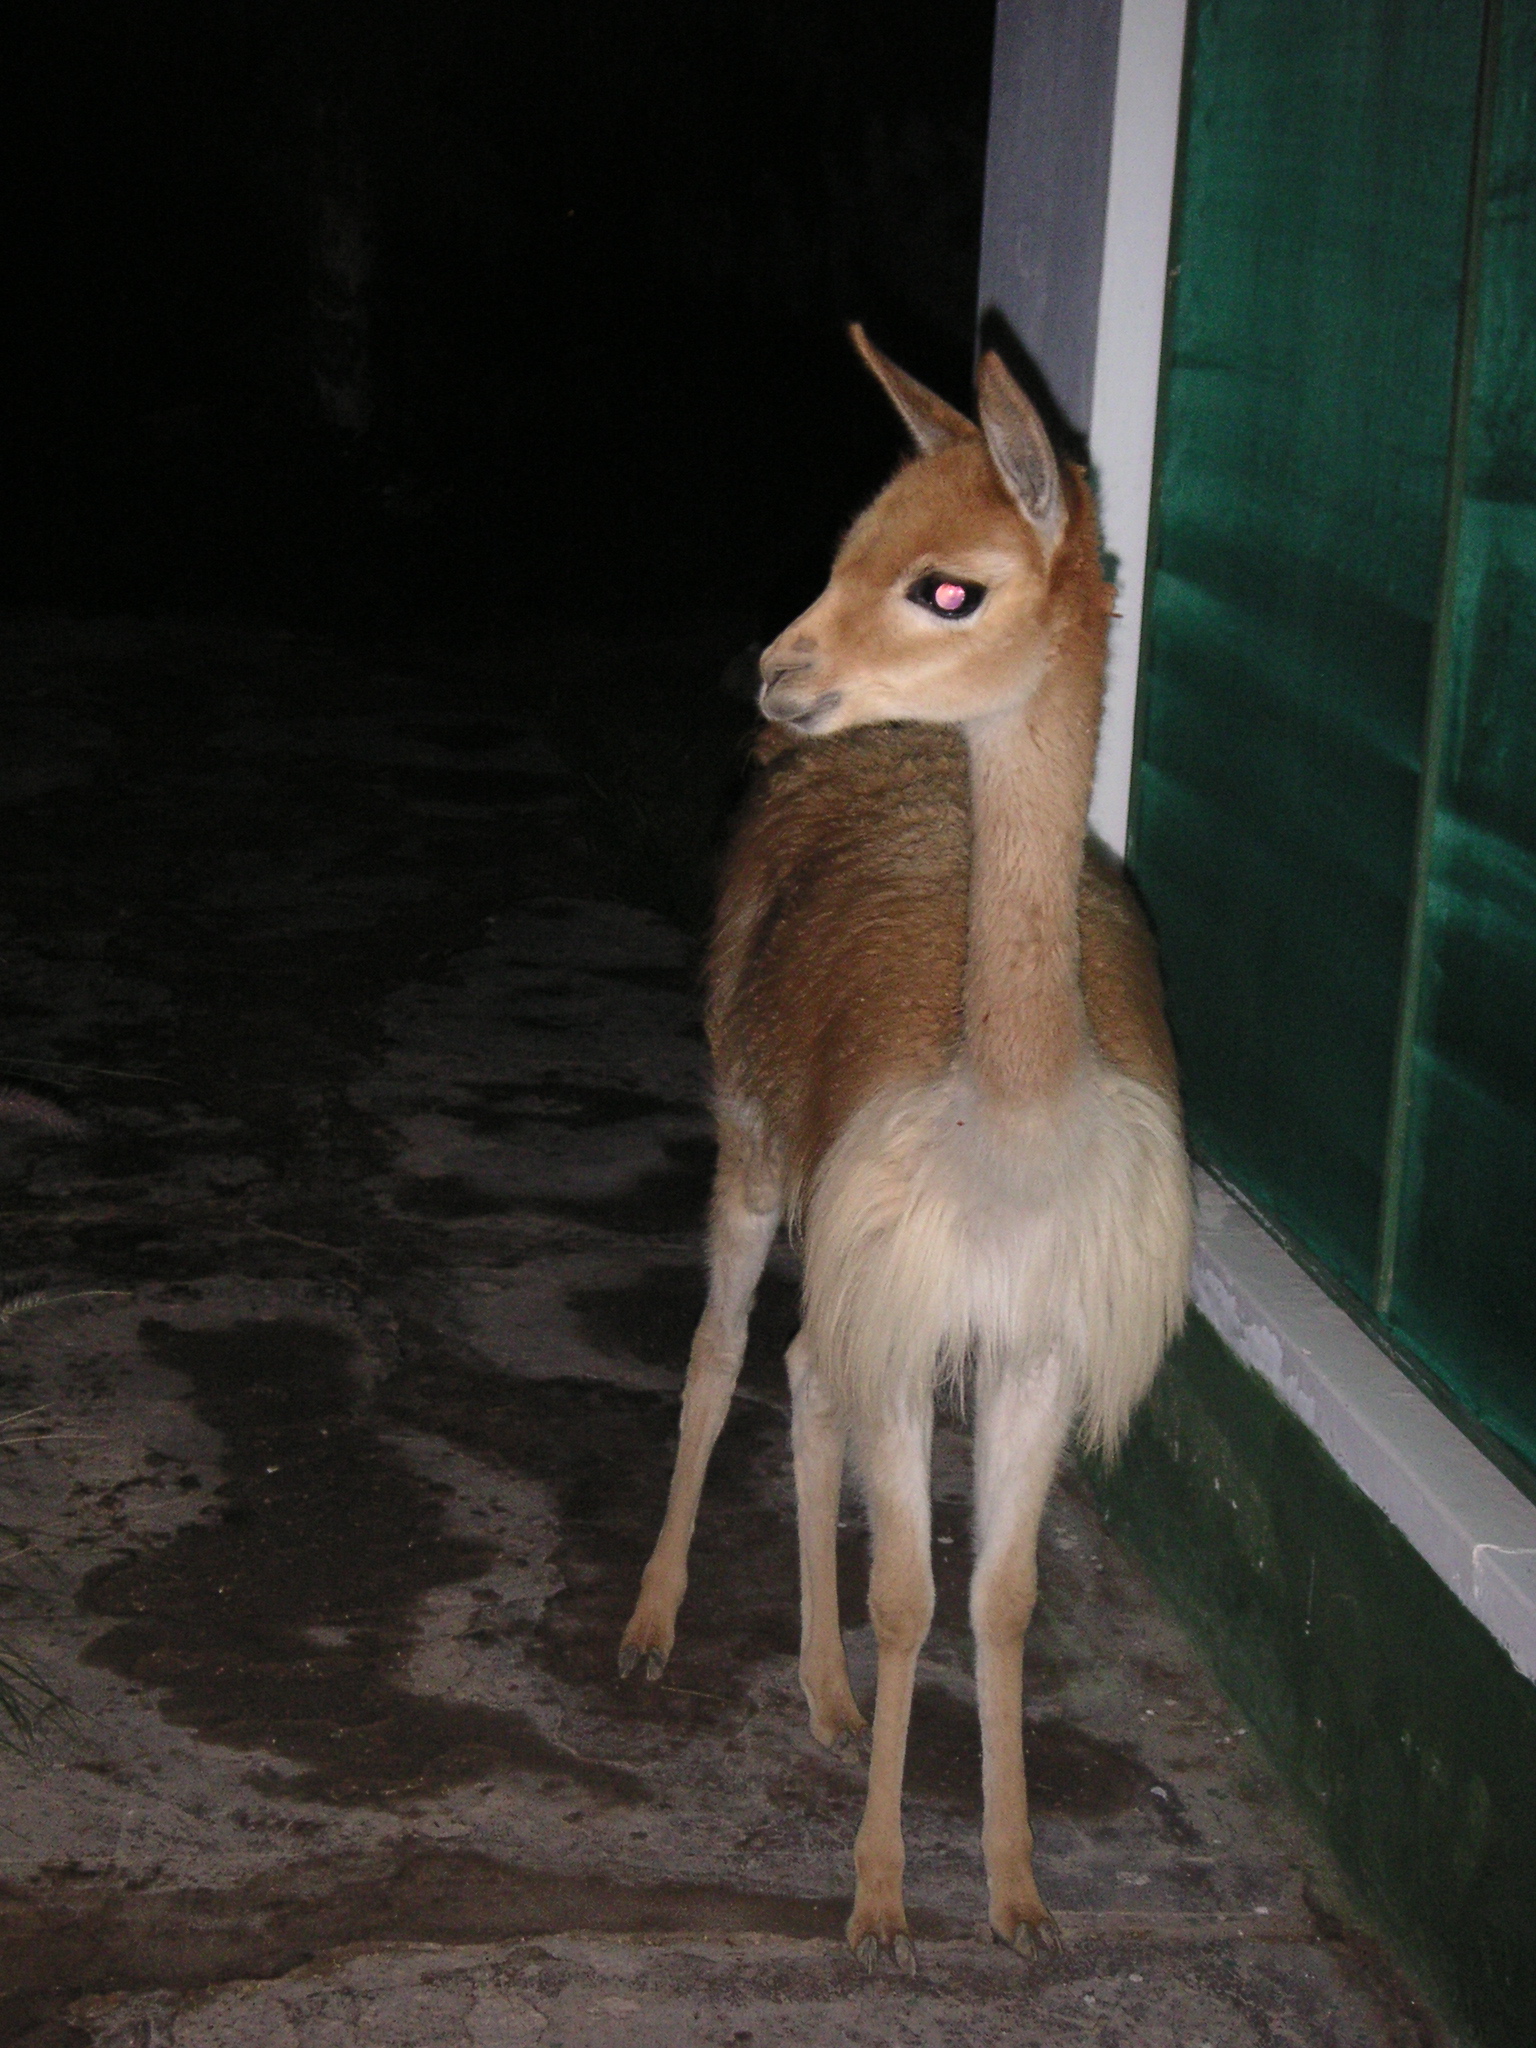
[(1021, 1424), (895, 1458), (744, 1214), (819, 1438)]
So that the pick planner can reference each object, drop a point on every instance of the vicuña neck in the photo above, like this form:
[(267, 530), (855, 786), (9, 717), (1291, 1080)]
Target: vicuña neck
[(1025, 1030)]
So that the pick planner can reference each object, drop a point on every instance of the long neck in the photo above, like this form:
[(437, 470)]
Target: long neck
[(1025, 1031)]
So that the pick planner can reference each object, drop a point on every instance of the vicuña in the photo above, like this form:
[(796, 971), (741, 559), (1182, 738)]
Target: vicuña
[(939, 1050)]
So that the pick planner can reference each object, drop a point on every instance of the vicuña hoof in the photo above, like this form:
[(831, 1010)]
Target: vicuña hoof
[(837, 1723), (899, 1948), (873, 1933), (648, 1640), (1027, 1936)]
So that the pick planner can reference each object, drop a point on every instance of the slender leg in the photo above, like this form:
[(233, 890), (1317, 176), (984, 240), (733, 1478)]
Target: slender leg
[(1021, 1424), (894, 1457), (819, 1438), (744, 1214)]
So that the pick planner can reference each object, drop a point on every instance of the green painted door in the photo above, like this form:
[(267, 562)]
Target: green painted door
[(1335, 809), (1457, 1278)]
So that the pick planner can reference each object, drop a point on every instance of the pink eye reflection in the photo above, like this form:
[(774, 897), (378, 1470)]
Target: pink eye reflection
[(949, 597)]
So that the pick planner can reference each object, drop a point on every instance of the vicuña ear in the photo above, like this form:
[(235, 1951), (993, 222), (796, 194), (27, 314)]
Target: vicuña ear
[(931, 423), (1021, 450)]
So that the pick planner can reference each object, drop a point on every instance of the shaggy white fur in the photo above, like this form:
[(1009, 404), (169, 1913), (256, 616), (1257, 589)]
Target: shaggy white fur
[(948, 1241)]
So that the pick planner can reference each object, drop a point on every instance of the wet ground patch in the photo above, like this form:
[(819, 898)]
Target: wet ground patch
[(663, 1201), (320, 1527), (606, 1453), (554, 1098), (448, 1198), (1069, 1771), (652, 1319), (59, 1940)]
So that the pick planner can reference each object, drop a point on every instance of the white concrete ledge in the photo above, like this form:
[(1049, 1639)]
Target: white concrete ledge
[(1468, 1522)]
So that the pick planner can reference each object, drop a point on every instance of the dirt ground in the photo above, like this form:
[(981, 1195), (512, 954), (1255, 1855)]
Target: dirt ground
[(332, 1449)]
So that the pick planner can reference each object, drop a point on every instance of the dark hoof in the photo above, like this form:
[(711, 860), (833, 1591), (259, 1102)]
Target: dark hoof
[(899, 1948), (1033, 1939), (630, 1655)]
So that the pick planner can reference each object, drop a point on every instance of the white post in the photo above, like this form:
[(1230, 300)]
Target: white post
[(1138, 215)]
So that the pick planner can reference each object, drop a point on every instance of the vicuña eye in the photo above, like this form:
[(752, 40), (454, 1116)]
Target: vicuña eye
[(947, 597)]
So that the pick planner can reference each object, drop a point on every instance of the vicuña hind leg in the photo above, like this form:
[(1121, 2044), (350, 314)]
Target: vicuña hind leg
[(744, 1214), (1021, 1424), (894, 1457), (819, 1438)]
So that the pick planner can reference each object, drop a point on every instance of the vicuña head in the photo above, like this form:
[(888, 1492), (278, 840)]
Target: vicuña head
[(951, 595)]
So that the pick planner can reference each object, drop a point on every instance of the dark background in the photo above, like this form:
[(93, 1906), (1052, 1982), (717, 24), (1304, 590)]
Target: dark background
[(413, 313)]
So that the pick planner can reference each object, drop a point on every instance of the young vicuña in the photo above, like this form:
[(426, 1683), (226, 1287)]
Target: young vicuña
[(939, 1048)]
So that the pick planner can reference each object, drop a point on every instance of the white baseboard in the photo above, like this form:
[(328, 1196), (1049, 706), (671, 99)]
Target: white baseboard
[(1469, 1523)]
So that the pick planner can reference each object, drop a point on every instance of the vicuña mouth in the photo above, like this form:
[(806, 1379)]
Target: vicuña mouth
[(810, 717)]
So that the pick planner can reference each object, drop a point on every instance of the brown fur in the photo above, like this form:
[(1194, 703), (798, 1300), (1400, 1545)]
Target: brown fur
[(842, 926)]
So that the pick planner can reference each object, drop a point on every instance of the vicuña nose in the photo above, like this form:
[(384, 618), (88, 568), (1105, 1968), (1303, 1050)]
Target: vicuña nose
[(784, 659)]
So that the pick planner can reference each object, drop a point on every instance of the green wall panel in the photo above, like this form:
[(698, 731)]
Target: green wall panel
[(1306, 424), (1316, 1613), (1465, 1266)]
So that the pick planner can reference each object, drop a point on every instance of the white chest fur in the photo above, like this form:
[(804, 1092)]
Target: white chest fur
[(945, 1239)]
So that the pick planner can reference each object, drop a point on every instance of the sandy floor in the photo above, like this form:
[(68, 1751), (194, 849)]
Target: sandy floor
[(337, 1443)]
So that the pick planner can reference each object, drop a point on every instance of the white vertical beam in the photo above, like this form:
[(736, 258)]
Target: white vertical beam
[(1042, 223), (1143, 152)]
